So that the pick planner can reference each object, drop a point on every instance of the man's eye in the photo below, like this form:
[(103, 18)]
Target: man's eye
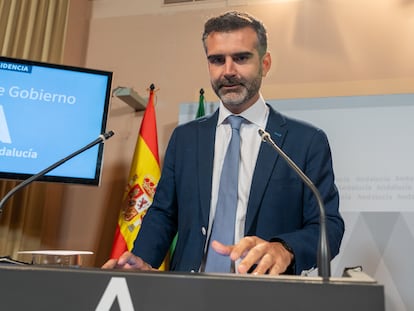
[(241, 59), (216, 60)]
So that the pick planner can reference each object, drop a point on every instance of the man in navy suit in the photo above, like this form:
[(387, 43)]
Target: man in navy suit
[(277, 220)]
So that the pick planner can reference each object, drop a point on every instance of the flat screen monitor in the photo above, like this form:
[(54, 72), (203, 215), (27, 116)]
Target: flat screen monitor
[(47, 112)]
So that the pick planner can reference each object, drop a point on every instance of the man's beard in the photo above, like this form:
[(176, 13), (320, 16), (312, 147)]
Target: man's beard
[(243, 90)]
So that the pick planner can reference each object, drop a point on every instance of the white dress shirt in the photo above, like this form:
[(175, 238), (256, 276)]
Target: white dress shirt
[(250, 141)]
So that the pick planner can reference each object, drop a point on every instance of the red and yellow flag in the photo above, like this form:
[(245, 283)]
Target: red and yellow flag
[(143, 179)]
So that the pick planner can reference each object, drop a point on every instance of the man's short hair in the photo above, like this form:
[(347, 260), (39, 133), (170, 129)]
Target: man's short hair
[(231, 21)]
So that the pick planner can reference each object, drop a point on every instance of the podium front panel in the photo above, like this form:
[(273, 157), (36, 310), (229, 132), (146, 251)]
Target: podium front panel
[(50, 288)]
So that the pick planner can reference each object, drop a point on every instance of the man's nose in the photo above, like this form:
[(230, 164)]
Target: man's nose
[(229, 67)]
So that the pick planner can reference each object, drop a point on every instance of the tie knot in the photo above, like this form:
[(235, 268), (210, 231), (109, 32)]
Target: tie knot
[(235, 121)]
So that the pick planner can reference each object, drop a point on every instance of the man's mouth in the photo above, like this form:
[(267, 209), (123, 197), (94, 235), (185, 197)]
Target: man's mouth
[(229, 87)]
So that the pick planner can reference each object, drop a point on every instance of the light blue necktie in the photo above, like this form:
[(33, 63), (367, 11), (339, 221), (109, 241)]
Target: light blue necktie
[(225, 217)]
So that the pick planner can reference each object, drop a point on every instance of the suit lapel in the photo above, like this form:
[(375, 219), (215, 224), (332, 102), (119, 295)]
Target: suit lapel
[(266, 161), (206, 137)]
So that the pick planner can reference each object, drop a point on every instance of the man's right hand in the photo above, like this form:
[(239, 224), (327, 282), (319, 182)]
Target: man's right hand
[(128, 261)]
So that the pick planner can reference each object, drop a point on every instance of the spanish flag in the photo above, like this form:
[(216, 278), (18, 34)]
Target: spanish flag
[(143, 179)]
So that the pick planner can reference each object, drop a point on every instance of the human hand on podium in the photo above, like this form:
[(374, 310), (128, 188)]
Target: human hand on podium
[(266, 257), (128, 261), (269, 257)]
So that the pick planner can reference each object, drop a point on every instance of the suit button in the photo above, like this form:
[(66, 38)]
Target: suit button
[(203, 230)]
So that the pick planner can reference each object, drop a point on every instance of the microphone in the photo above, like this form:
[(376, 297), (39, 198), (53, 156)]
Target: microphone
[(101, 138), (324, 255)]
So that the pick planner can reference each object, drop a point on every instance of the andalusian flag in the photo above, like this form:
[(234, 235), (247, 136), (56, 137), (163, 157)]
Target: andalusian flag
[(201, 110), (200, 113), (144, 175)]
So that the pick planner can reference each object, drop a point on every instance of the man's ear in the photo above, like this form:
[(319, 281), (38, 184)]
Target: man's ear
[(266, 64)]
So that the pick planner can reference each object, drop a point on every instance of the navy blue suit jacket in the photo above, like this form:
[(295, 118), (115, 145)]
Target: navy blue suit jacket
[(280, 205)]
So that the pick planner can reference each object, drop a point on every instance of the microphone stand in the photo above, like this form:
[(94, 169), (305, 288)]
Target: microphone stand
[(100, 139), (323, 261)]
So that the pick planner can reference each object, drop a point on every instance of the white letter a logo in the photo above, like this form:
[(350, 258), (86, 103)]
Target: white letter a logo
[(4, 130), (117, 288)]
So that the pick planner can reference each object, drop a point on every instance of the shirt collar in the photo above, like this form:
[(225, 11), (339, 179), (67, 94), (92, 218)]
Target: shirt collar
[(256, 114)]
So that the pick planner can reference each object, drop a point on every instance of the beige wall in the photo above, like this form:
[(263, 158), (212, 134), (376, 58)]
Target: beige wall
[(319, 48)]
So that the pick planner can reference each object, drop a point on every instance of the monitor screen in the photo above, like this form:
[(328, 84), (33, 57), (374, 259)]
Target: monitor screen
[(47, 112)]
